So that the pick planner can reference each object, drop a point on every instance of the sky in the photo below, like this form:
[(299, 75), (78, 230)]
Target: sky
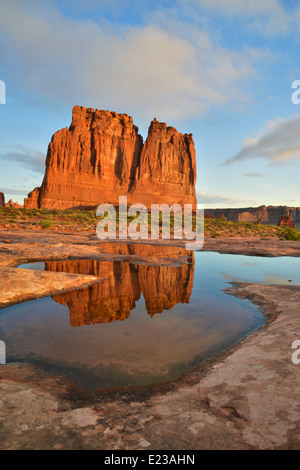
[(226, 71)]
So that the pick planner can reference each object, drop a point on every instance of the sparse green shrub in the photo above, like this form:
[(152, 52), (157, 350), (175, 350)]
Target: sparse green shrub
[(290, 234), (215, 235), (47, 223)]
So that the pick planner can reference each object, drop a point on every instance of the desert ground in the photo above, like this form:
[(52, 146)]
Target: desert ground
[(245, 398)]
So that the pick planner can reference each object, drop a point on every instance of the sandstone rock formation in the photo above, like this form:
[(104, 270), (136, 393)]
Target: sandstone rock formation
[(167, 169), (2, 199), (113, 299), (13, 204), (102, 156), (286, 221)]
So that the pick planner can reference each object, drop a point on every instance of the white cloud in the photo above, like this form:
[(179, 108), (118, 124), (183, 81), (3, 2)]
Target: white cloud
[(279, 143), (16, 191), (146, 71)]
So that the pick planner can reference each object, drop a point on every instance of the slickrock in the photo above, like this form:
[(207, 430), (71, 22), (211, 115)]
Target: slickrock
[(101, 156), (35, 284)]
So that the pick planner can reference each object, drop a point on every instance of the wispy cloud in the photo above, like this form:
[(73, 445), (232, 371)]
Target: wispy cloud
[(267, 17), (208, 198), (254, 175), (171, 71), (21, 192), (27, 158), (279, 143)]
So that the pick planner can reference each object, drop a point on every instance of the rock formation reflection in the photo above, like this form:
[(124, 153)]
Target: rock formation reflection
[(114, 298)]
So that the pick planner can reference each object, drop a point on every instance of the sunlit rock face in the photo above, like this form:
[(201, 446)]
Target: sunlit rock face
[(286, 221), (101, 156), (167, 169), (115, 297)]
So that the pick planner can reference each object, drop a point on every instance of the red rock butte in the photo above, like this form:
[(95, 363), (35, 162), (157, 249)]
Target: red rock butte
[(101, 156)]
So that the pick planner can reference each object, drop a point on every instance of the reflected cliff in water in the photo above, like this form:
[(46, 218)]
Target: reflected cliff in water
[(114, 298), (197, 319)]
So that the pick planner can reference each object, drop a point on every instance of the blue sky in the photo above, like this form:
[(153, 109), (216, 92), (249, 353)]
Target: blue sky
[(222, 70)]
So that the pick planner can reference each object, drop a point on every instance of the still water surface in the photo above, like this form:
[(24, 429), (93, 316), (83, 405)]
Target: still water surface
[(142, 324)]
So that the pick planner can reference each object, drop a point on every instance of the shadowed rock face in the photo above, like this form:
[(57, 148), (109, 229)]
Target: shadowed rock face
[(113, 299), (102, 156), (2, 200)]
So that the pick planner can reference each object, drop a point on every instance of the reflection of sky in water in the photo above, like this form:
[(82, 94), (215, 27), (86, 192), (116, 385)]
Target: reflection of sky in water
[(140, 349), (279, 270)]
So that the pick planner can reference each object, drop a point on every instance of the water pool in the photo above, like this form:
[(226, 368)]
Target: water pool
[(142, 324)]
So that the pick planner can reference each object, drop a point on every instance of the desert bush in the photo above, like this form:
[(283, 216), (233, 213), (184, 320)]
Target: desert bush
[(47, 223), (290, 234)]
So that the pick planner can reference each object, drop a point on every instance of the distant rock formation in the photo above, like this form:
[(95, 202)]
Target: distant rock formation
[(102, 156), (286, 221), (113, 299), (2, 199), (15, 205), (262, 214)]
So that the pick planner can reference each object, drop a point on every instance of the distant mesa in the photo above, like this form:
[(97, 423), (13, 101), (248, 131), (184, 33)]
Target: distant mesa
[(101, 156), (263, 214)]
